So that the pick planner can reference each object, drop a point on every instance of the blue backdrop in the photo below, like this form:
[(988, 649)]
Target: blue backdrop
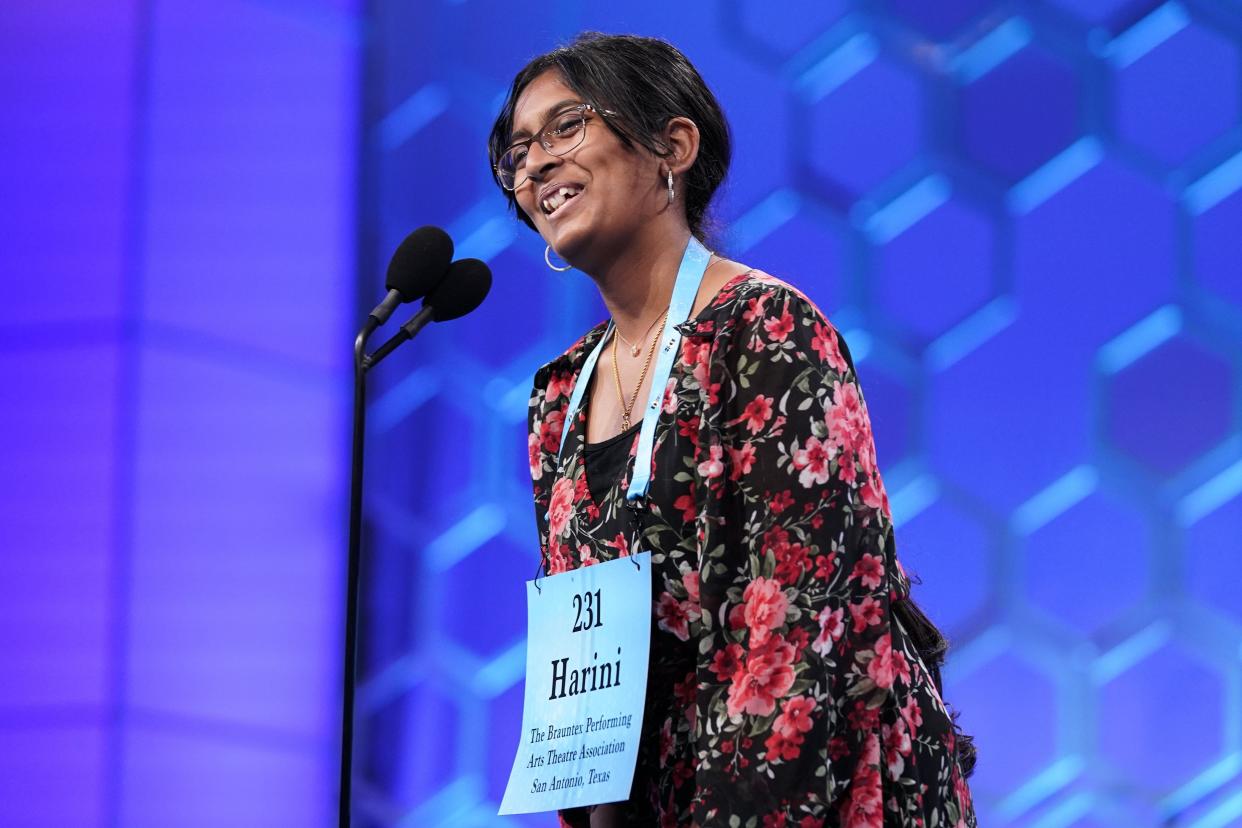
[(177, 186), (1025, 217)]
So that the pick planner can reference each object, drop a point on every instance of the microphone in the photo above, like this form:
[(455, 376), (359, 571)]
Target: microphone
[(418, 265), (463, 289)]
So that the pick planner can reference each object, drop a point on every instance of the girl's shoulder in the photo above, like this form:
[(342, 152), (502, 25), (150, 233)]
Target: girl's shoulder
[(755, 295)]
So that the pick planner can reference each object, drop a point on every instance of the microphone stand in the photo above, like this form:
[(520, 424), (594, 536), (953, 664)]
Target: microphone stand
[(355, 556), (362, 364)]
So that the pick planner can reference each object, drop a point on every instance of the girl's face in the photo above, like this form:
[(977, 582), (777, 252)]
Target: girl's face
[(591, 201)]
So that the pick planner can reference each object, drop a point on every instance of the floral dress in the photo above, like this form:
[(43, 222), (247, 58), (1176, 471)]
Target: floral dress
[(781, 689)]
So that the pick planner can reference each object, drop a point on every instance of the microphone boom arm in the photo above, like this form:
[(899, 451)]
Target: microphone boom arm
[(408, 331)]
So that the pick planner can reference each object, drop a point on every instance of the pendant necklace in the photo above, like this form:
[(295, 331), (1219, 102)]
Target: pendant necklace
[(626, 410), (634, 346)]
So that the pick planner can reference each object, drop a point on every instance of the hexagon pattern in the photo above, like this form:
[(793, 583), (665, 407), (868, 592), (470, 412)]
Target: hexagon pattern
[(1020, 113), (933, 275), (1177, 84), (1027, 230), (849, 140)]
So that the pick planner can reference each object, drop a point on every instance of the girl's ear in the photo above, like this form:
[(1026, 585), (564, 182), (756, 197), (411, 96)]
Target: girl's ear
[(681, 137)]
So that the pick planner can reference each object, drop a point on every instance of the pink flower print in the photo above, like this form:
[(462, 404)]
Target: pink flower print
[(831, 628), (561, 507), (781, 501), (792, 559), (863, 805), (712, 467), (754, 308), (620, 544), (780, 327), (765, 609), (896, 746), (846, 469), (785, 747), (560, 383), (825, 344), (812, 461), (873, 494), (741, 461), (912, 713), (727, 662), (670, 396), (687, 505), (888, 664), (865, 613), (869, 570), (558, 557), (672, 616), (846, 419), (695, 356), (536, 460), (866, 456), (757, 412), (795, 717), (690, 579), (823, 340), (550, 431), (765, 677)]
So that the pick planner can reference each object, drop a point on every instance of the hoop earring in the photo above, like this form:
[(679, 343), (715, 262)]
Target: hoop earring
[(547, 257), (670, 186)]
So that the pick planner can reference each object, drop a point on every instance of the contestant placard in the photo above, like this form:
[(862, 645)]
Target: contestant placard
[(588, 636)]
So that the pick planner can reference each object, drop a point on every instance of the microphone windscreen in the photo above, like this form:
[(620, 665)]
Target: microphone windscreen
[(463, 289), (420, 263)]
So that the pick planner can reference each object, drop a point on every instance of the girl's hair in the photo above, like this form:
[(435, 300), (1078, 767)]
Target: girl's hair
[(932, 646), (646, 82)]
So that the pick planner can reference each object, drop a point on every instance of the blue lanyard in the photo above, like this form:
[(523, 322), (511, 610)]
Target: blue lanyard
[(689, 275)]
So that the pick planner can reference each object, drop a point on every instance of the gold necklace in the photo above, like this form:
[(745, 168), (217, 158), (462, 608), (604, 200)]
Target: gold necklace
[(626, 410), (634, 346)]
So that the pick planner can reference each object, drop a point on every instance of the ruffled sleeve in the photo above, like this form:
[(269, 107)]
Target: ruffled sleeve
[(796, 655)]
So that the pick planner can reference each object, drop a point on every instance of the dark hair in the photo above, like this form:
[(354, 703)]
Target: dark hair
[(646, 81), (932, 646)]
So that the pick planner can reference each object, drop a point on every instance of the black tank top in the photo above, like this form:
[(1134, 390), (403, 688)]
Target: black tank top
[(604, 462)]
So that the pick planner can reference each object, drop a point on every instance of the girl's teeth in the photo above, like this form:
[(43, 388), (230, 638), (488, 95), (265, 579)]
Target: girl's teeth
[(554, 202)]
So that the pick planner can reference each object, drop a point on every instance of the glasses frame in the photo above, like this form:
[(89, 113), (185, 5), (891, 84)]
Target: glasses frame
[(544, 130)]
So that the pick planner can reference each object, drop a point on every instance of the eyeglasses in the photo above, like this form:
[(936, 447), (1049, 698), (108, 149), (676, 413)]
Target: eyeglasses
[(559, 135)]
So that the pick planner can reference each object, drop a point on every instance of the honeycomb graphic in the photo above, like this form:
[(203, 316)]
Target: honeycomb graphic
[(1026, 220)]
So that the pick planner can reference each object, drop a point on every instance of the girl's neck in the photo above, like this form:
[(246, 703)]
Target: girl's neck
[(637, 284)]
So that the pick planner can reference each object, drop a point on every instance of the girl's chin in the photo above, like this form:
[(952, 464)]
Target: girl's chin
[(569, 244)]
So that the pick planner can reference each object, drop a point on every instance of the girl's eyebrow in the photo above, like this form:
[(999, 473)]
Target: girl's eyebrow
[(547, 116)]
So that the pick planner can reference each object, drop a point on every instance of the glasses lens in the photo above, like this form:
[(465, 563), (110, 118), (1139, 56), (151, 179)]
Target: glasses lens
[(564, 132), (558, 136), (509, 168)]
